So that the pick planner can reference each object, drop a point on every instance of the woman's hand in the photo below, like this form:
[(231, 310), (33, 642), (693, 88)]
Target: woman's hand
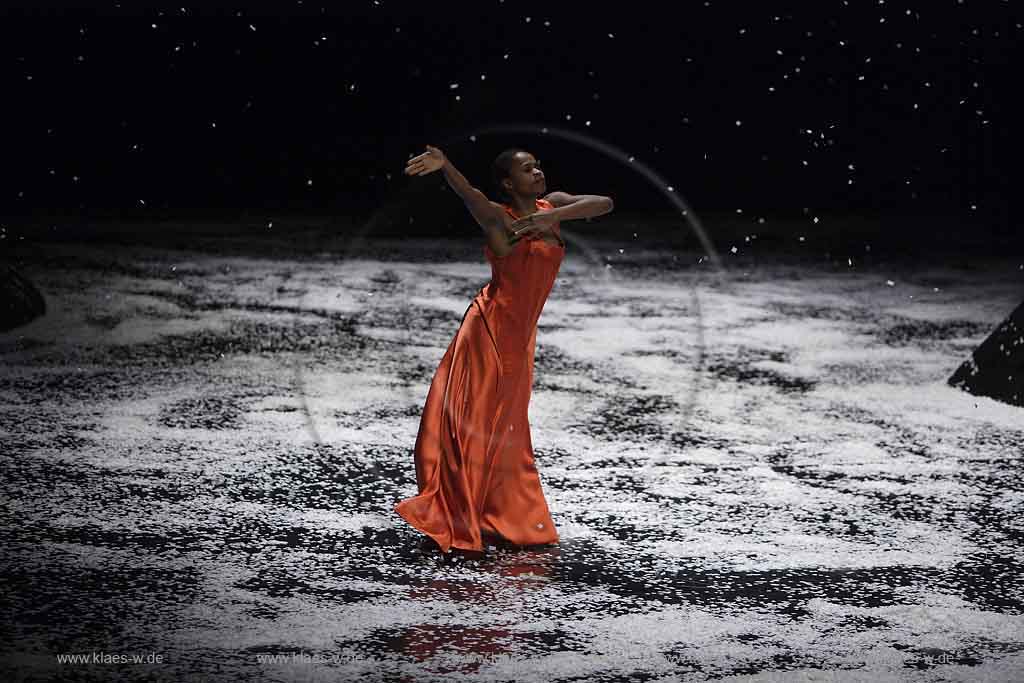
[(533, 225), (428, 162)]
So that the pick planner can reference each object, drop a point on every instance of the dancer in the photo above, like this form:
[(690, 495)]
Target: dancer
[(474, 458)]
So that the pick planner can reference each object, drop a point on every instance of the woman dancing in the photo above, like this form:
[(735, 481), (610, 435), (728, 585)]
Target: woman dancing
[(474, 459)]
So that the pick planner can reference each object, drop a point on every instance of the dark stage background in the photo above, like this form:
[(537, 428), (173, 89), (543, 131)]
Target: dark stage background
[(122, 111)]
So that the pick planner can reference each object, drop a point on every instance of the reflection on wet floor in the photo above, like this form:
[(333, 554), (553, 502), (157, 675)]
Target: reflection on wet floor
[(827, 505)]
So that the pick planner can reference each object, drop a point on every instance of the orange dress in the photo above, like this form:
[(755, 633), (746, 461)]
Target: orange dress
[(474, 457)]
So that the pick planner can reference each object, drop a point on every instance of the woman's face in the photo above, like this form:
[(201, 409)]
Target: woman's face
[(525, 177)]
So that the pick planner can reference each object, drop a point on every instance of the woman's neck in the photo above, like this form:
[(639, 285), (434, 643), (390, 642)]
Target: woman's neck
[(524, 206)]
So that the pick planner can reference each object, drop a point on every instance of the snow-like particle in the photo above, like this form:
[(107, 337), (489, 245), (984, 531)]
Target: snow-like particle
[(801, 238), (890, 283), (309, 181), (815, 219), (453, 86), (739, 123), (252, 27), (734, 250)]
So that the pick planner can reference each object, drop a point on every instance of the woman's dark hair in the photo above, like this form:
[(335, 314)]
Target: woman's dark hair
[(502, 168)]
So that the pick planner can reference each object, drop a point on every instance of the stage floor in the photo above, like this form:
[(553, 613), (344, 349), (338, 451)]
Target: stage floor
[(758, 474)]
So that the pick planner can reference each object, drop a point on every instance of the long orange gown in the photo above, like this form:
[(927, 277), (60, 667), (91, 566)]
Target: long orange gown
[(474, 457)]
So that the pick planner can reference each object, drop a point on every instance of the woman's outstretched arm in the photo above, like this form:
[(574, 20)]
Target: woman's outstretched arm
[(486, 214)]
